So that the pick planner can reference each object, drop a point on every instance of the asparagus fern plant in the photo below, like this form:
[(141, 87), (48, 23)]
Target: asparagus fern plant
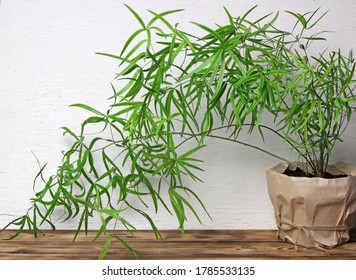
[(177, 88)]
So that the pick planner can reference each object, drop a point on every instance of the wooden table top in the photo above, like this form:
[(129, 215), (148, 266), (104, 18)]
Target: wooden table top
[(196, 244)]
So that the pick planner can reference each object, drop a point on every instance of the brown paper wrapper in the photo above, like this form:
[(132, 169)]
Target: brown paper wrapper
[(313, 212)]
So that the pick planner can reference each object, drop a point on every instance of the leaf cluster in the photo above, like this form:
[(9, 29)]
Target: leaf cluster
[(177, 88)]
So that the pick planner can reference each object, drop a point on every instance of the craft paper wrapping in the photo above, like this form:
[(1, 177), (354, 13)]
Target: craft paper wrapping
[(313, 212)]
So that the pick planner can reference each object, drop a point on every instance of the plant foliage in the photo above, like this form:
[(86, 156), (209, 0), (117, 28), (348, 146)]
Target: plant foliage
[(177, 88)]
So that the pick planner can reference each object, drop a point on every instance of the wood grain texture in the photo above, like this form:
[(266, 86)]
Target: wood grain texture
[(196, 244)]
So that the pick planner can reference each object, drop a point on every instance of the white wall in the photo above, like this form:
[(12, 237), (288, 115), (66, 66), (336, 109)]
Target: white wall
[(47, 62)]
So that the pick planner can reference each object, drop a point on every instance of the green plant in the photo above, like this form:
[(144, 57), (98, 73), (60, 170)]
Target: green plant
[(176, 88), (317, 99)]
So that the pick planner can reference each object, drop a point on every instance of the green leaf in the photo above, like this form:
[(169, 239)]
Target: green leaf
[(161, 18), (134, 49), (201, 67), (106, 246), (149, 219), (315, 22), (209, 30), (102, 229), (67, 130), (191, 151), (243, 18), (93, 120), (139, 19), (178, 208), (300, 18), (231, 20), (161, 15), (130, 39), (17, 222), (135, 253), (90, 109)]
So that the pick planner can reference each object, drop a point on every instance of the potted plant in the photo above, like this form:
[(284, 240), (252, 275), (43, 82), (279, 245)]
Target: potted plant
[(177, 88), (314, 201)]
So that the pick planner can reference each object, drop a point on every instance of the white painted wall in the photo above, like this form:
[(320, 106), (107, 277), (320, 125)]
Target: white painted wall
[(47, 62)]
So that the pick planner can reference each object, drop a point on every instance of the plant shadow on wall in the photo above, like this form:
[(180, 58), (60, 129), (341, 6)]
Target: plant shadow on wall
[(178, 88)]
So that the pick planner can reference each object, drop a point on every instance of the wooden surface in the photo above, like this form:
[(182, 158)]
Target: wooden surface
[(196, 244)]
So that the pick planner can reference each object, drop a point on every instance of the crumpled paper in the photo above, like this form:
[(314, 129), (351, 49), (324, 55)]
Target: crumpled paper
[(313, 212)]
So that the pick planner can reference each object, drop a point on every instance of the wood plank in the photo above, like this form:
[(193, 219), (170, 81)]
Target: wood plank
[(196, 244)]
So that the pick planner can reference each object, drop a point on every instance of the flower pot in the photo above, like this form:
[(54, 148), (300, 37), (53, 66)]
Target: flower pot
[(313, 212)]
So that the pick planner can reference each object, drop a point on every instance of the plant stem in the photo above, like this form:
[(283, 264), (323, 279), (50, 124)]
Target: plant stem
[(235, 141)]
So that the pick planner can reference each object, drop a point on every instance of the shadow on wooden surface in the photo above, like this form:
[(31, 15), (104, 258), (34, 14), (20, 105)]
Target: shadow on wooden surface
[(196, 244)]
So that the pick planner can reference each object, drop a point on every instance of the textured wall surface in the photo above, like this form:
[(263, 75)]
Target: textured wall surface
[(47, 62)]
